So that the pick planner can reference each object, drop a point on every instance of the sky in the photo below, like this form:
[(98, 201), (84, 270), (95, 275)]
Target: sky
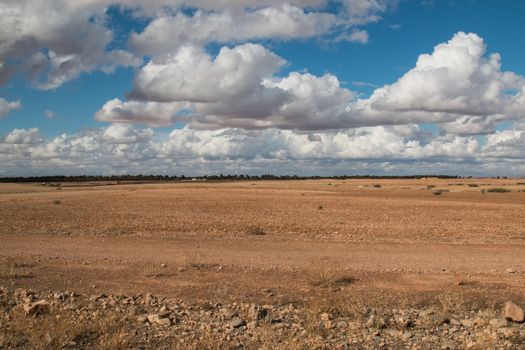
[(307, 87)]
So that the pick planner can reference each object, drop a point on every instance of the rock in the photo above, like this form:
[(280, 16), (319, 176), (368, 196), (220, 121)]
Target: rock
[(513, 312), (467, 323), (506, 331), (150, 299), (455, 322), (498, 323), (37, 308), (237, 322), (163, 265), (510, 270), (142, 318), (325, 317), (252, 325), (71, 306), (407, 335), (257, 313), (158, 319)]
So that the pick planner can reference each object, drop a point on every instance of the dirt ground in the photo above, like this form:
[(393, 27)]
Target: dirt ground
[(386, 243)]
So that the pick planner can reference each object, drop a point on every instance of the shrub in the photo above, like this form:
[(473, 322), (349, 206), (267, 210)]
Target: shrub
[(473, 185), (320, 207), (377, 185), (256, 231), (498, 190), (437, 192), (57, 201)]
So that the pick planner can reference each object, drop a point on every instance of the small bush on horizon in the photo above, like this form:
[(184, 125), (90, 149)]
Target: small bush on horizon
[(256, 231), (498, 190)]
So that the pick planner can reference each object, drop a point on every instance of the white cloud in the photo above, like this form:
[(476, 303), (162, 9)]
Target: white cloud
[(168, 33), (191, 75), (356, 36), (125, 134), (23, 136), (150, 113), (8, 106), (123, 149), (457, 86), (55, 41)]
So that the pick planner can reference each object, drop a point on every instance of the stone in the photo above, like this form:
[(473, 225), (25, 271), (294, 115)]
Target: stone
[(142, 318), (158, 319), (455, 322), (467, 323), (513, 312), (237, 322), (498, 323), (71, 306), (325, 317), (257, 313), (37, 308), (252, 325)]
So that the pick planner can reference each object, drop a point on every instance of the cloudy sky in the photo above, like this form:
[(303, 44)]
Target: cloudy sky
[(262, 86)]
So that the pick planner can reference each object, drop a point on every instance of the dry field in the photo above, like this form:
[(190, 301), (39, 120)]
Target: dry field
[(327, 252)]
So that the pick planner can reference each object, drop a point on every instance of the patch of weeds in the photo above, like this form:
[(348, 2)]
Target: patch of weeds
[(321, 274), (256, 231), (498, 190), (11, 268)]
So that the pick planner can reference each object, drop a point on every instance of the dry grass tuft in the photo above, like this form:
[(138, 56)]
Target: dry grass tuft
[(256, 231), (322, 274), (498, 190), (13, 268)]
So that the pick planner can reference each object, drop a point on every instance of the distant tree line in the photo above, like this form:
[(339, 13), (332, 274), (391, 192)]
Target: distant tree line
[(220, 177)]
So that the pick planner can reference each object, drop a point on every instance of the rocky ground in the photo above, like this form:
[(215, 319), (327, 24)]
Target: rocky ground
[(263, 265), (67, 320)]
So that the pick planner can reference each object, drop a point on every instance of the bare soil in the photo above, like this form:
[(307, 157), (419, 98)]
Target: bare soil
[(387, 244)]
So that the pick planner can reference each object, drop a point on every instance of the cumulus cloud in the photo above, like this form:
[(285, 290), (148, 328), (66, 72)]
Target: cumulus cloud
[(8, 106), (457, 86), (456, 83), (191, 75), (150, 113), (23, 136), (125, 134), (55, 41), (167, 33), (124, 149)]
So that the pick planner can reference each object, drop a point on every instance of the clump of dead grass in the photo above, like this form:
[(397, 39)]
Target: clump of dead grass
[(326, 275), (12, 267), (256, 230), (498, 190)]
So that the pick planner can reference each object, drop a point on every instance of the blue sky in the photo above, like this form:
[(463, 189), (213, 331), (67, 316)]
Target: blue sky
[(320, 50)]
